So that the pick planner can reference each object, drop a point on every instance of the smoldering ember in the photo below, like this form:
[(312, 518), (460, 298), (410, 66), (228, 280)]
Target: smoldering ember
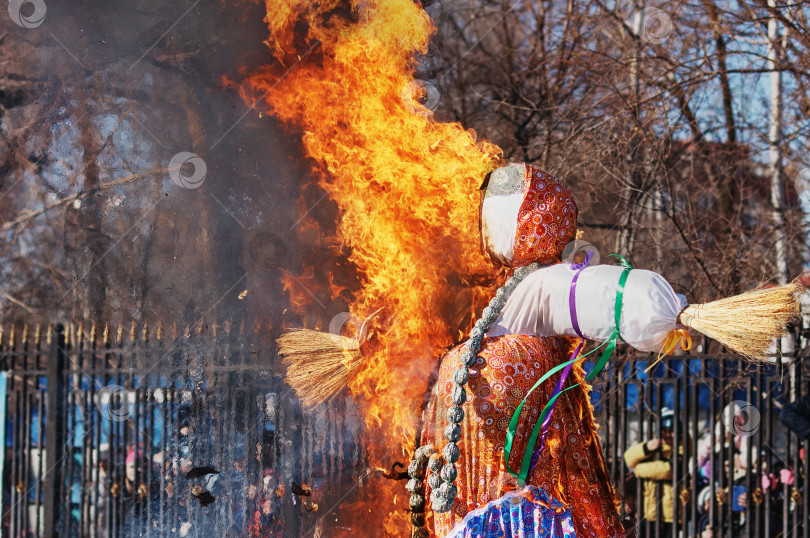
[(397, 268)]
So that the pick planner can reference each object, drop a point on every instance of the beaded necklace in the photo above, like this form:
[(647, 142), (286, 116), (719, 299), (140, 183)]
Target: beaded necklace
[(442, 476)]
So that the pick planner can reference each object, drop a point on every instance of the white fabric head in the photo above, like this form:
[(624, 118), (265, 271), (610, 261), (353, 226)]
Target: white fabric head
[(499, 211)]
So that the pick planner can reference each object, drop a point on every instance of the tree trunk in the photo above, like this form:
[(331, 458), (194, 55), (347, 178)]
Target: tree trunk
[(778, 202)]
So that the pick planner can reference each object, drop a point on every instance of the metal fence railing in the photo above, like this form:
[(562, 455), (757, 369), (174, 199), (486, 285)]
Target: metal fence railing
[(737, 471), (158, 435), (155, 433)]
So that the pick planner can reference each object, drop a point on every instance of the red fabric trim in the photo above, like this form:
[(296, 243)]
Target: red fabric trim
[(547, 220)]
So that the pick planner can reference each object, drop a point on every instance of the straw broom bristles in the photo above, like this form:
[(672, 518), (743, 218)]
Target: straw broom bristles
[(319, 364), (748, 323)]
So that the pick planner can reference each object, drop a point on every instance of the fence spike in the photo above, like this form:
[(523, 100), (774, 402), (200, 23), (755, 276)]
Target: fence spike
[(160, 330), (49, 335), (93, 333), (11, 337), (80, 334), (37, 335), (132, 332), (24, 341), (120, 333), (106, 335)]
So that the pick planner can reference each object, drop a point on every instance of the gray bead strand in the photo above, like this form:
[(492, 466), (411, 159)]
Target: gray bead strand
[(443, 499), (416, 502)]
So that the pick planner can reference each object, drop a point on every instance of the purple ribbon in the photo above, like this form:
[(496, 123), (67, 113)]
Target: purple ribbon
[(572, 295), (572, 307)]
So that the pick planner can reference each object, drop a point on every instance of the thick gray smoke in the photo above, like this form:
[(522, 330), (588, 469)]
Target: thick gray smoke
[(138, 190)]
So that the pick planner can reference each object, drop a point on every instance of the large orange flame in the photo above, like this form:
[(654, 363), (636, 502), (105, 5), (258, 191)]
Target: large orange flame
[(406, 185)]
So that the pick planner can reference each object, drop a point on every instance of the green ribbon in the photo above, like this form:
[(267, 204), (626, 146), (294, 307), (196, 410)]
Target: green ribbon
[(606, 354)]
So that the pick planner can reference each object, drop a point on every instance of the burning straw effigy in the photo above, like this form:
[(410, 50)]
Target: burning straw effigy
[(510, 413)]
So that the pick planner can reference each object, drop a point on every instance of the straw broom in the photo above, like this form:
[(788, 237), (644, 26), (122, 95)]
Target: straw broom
[(748, 323), (321, 364)]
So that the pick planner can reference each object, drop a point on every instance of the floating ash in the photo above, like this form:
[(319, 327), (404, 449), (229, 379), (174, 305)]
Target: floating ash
[(203, 495), (302, 489), (197, 472)]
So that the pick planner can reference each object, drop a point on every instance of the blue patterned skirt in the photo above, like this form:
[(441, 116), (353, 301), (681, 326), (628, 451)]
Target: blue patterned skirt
[(527, 513)]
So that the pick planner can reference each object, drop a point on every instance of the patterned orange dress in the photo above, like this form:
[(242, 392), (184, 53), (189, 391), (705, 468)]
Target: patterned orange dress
[(571, 467), (527, 216)]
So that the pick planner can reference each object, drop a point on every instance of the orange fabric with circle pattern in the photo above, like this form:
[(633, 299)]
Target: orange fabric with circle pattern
[(571, 467), (547, 220)]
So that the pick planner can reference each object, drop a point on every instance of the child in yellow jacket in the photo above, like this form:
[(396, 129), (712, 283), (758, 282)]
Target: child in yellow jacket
[(640, 459)]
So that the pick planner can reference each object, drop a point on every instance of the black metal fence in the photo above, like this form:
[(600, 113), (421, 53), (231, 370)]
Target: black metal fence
[(195, 434), (737, 471), (156, 435)]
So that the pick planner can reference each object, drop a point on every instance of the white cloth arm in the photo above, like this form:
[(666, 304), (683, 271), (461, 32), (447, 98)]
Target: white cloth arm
[(540, 306)]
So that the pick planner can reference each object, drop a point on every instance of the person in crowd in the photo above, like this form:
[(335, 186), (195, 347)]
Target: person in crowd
[(141, 488), (629, 504), (103, 484), (704, 526), (710, 525), (651, 461), (710, 446), (773, 483), (796, 417)]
